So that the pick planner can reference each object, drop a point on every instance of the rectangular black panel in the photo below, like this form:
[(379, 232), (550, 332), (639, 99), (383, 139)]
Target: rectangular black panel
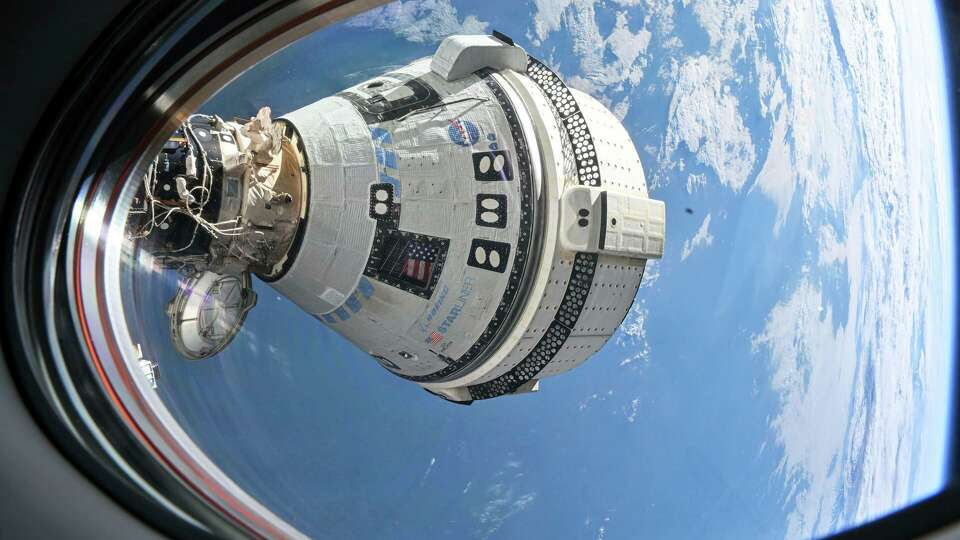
[(489, 255), (492, 166), (382, 206), (408, 261), (492, 210)]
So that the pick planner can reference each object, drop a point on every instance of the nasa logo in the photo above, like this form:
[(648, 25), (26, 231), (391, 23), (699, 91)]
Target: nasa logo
[(463, 132)]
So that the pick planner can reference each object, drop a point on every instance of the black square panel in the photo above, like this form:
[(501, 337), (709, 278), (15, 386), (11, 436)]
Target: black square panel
[(489, 255), (382, 207), (492, 210), (492, 166)]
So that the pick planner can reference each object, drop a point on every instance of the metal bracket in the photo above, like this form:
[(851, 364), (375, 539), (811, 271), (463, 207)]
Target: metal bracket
[(459, 56), (595, 220)]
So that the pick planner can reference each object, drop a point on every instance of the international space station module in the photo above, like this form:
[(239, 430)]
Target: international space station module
[(468, 220)]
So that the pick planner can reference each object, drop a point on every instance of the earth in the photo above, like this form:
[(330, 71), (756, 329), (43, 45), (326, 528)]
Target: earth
[(784, 370)]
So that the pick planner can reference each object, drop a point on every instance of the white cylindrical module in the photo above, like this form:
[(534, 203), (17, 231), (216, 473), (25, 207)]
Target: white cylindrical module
[(473, 224), (467, 220)]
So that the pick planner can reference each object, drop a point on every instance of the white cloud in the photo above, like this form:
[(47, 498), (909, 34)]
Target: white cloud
[(651, 274), (851, 386), (420, 21), (426, 473), (632, 410), (609, 61), (730, 25), (621, 109), (627, 47), (547, 17), (813, 371), (832, 251), (589, 400), (818, 110), (505, 500), (777, 177), (701, 238), (704, 115), (695, 182), (586, 402), (632, 334), (847, 403)]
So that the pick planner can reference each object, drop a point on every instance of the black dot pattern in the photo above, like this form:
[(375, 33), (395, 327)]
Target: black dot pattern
[(575, 125), (578, 287)]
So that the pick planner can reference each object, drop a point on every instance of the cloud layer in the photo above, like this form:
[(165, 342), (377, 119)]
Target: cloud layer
[(420, 21)]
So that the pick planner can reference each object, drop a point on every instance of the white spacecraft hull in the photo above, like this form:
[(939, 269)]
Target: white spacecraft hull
[(467, 220), (436, 237)]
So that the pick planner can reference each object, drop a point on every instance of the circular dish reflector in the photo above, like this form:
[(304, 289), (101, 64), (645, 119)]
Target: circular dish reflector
[(208, 311)]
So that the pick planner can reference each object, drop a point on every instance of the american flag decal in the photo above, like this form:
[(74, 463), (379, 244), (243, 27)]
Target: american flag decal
[(435, 337), (418, 261), (417, 270)]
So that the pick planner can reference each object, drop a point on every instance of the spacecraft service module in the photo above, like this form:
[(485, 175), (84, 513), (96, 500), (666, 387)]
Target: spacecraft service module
[(468, 220)]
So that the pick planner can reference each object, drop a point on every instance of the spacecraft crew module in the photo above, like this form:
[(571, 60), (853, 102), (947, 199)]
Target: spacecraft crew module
[(468, 220)]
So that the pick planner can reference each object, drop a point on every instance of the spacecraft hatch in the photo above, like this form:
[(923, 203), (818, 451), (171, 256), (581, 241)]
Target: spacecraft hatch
[(468, 220)]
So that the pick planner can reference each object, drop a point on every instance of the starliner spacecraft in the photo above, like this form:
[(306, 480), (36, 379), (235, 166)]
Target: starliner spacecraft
[(468, 220)]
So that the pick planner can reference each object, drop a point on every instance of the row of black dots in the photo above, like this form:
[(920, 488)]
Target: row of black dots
[(584, 152), (578, 287)]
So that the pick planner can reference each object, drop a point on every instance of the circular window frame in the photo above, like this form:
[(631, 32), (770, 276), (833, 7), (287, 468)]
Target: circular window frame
[(156, 62)]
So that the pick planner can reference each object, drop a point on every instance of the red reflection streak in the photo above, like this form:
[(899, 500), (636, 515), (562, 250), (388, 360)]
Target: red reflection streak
[(224, 502)]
